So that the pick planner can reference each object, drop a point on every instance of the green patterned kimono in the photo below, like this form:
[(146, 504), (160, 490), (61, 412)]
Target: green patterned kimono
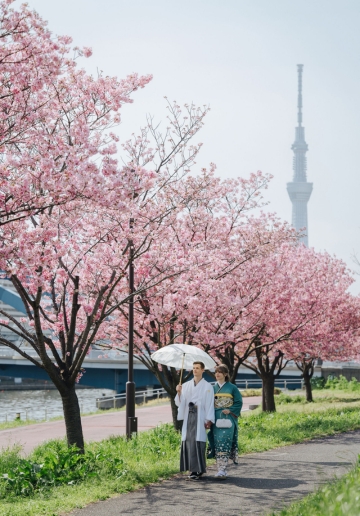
[(223, 442)]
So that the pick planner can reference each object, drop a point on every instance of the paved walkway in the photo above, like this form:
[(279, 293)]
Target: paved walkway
[(260, 483), (95, 428)]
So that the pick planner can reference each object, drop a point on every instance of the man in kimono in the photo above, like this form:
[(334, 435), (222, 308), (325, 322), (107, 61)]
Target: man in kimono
[(195, 400)]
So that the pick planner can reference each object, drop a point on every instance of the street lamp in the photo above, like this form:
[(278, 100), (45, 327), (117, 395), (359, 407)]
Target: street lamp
[(131, 420)]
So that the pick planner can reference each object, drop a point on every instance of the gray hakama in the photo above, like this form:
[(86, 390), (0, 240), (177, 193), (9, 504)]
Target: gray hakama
[(192, 456)]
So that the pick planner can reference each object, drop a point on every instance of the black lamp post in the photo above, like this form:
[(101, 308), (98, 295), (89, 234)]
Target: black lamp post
[(131, 420)]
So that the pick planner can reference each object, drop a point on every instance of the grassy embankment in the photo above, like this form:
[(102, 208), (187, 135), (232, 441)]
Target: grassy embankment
[(53, 480), (340, 497)]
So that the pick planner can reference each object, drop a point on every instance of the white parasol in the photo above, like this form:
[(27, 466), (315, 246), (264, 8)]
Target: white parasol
[(182, 356)]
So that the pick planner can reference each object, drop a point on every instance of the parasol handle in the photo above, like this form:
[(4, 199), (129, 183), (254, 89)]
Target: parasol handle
[(182, 368)]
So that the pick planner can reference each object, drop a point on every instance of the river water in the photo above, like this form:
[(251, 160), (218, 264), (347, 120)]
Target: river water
[(43, 405)]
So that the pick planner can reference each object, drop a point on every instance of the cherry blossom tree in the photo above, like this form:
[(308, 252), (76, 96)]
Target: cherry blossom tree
[(70, 270), (56, 142), (305, 302), (70, 264), (227, 326), (219, 236), (260, 312), (339, 341)]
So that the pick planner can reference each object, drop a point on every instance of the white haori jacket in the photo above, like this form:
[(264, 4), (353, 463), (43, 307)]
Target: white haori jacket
[(202, 395)]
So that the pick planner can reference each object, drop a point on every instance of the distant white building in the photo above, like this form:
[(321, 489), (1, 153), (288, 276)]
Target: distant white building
[(300, 190)]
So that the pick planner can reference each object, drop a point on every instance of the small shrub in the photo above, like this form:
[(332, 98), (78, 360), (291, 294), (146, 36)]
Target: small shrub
[(250, 392), (284, 399), (354, 385), (257, 392), (54, 464), (9, 457), (65, 466), (342, 383), (318, 382)]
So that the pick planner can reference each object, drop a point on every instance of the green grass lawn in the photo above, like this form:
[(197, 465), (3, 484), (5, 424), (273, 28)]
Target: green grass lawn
[(342, 496), (52, 481), (109, 467), (17, 423), (296, 420), (338, 498)]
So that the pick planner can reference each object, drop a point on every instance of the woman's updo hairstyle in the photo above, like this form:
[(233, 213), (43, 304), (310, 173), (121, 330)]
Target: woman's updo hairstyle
[(222, 368)]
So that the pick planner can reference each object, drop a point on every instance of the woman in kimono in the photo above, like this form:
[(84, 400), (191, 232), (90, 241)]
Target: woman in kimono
[(223, 441)]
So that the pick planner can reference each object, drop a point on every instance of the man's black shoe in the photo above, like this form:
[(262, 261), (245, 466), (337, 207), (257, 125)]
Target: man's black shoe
[(194, 475)]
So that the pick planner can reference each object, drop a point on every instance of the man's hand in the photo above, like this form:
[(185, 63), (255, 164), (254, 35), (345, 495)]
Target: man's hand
[(179, 389), (207, 425)]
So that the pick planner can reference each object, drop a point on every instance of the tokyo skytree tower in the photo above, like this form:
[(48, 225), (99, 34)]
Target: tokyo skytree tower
[(300, 190)]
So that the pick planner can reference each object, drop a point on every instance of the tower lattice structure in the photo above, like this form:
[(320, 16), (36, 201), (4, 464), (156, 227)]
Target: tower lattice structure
[(299, 189)]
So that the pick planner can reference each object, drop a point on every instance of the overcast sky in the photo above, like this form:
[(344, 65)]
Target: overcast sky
[(240, 57)]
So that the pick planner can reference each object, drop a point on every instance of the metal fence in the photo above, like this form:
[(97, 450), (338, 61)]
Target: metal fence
[(26, 414), (282, 384), (118, 400)]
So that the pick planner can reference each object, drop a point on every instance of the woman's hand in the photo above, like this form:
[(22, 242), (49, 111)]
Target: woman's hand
[(226, 411)]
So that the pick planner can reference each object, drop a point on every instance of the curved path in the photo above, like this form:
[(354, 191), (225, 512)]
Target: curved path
[(260, 483)]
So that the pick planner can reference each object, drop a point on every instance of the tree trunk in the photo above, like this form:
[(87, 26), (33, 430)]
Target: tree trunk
[(308, 388), (74, 433), (268, 368), (306, 366), (174, 412), (268, 397), (308, 372)]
